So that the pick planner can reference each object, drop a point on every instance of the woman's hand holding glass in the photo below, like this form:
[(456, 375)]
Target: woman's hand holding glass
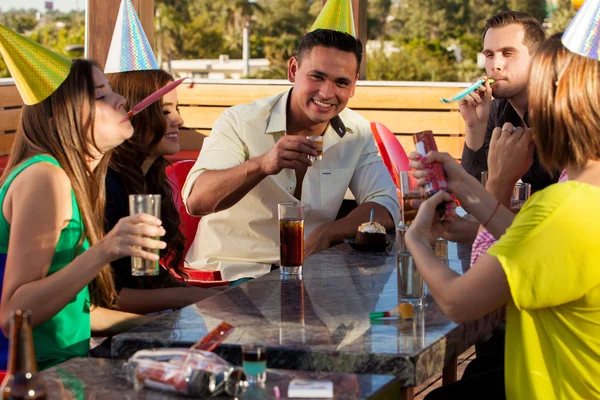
[(130, 235)]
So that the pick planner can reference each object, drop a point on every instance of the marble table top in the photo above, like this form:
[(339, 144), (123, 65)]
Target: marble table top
[(96, 378), (321, 322)]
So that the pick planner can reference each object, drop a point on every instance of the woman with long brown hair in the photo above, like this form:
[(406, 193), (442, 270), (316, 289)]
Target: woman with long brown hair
[(544, 267), (138, 166), (54, 256)]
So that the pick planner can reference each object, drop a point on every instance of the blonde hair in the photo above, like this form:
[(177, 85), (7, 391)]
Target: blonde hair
[(58, 126), (564, 96)]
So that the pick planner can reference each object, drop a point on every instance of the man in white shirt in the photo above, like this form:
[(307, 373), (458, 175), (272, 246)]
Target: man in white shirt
[(257, 156)]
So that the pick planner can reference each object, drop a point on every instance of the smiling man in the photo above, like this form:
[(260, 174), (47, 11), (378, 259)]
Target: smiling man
[(510, 41), (257, 156)]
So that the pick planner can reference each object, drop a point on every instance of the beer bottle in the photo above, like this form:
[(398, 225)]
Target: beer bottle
[(22, 379)]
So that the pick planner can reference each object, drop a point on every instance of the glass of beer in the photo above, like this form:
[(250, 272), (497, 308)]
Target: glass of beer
[(521, 193), (291, 237), (147, 204), (412, 197), (318, 140)]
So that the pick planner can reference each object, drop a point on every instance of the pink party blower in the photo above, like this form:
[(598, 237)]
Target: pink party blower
[(153, 97)]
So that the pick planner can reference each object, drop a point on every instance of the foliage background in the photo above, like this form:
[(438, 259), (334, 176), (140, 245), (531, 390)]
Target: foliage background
[(433, 40)]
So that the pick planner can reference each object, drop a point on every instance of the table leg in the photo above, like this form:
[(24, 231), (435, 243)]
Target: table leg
[(449, 372), (407, 393)]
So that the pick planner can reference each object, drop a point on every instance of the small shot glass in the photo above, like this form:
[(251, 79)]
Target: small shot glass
[(318, 140), (254, 362)]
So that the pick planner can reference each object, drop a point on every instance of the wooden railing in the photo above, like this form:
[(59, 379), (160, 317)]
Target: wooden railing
[(10, 112), (404, 107)]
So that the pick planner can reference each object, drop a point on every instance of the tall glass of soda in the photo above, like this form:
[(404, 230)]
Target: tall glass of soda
[(291, 238)]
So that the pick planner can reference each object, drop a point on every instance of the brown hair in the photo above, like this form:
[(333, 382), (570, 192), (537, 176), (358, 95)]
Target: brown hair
[(564, 96), (534, 33), (149, 129), (58, 127)]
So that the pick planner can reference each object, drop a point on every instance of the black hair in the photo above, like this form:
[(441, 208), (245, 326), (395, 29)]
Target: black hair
[(331, 39)]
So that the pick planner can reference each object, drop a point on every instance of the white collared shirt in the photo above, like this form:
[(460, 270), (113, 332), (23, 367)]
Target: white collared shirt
[(243, 240)]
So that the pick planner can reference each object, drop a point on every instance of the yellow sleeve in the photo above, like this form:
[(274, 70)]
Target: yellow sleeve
[(550, 253)]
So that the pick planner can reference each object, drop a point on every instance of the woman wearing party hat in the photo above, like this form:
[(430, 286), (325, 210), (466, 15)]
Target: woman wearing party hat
[(138, 166), (53, 255), (544, 267)]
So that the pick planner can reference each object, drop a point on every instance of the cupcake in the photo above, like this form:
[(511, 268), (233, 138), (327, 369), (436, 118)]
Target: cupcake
[(371, 233)]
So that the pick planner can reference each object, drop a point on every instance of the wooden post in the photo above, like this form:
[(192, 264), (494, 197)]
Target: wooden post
[(359, 10), (100, 22)]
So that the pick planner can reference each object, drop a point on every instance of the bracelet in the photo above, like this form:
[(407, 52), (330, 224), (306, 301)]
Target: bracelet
[(491, 216)]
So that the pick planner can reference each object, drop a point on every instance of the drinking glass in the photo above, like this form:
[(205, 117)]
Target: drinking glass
[(291, 237), (318, 140), (521, 193), (147, 204), (254, 362), (412, 197), (410, 281)]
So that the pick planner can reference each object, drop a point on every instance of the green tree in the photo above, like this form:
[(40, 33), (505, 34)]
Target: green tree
[(377, 14), (167, 28), (56, 31), (59, 34), (535, 8), (561, 17), (278, 30), (21, 21), (202, 39), (417, 60)]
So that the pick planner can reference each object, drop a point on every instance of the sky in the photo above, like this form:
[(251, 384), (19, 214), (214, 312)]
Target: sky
[(61, 5)]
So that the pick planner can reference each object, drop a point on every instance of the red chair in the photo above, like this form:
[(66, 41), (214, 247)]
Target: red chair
[(391, 150), (177, 173), (393, 155)]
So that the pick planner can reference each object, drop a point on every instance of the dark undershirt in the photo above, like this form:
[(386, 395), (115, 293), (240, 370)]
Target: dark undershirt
[(475, 162)]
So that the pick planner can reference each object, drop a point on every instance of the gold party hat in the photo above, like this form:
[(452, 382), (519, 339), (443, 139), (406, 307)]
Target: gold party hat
[(37, 71), (337, 16)]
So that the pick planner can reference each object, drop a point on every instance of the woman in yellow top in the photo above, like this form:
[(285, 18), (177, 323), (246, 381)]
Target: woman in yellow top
[(545, 263)]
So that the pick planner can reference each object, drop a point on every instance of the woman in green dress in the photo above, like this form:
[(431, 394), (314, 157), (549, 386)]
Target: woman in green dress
[(53, 254)]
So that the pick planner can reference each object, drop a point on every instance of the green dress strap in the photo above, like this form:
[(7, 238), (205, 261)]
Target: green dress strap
[(67, 334)]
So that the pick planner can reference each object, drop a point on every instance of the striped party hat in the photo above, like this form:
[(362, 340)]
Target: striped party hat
[(583, 34), (37, 71), (336, 15), (129, 48)]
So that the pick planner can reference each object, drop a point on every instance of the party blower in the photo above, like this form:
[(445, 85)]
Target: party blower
[(462, 94), (153, 97), (404, 311)]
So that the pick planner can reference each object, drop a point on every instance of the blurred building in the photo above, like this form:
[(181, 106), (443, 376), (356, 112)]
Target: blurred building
[(221, 68)]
